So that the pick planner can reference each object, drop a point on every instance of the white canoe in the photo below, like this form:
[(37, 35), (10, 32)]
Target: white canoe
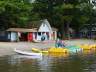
[(28, 53)]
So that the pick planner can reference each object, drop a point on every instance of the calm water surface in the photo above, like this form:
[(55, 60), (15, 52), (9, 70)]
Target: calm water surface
[(74, 63)]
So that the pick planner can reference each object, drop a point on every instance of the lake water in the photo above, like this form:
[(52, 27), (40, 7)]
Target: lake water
[(73, 63)]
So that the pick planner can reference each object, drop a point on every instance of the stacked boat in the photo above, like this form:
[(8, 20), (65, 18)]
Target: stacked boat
[(73, 49), (85, 48)]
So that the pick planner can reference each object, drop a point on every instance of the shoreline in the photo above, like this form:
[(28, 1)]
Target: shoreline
[(7, 48)]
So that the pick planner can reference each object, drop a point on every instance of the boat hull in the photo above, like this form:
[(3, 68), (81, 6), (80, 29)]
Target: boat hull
[(27, 53)]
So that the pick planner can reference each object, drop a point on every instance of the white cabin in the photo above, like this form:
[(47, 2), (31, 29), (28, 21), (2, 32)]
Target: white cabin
[(35, 31), (47, 31)]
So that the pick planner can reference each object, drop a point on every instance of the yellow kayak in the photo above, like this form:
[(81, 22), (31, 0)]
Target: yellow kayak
[(85, 47), (58, 54), (93, 46), (57, 50), (51, 50), (39, 51), (88, 47), (36, 50), (44, 51)]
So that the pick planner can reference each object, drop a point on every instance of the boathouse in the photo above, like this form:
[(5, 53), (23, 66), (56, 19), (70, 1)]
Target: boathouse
[(34, 32)]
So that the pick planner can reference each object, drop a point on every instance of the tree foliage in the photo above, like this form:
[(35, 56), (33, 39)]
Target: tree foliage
[(65, 13), (60, 13), (14, 13)]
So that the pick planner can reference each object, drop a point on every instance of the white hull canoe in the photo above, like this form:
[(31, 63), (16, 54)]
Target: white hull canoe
[(28, 53)]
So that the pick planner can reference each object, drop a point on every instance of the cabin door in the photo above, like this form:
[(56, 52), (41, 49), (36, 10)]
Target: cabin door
[(30, 36)]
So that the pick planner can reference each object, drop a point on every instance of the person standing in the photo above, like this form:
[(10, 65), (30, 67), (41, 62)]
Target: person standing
[(59, 43)]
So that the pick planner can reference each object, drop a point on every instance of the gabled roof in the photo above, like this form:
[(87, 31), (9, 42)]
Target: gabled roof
[(34, 24), (45, 21), (37, 24)]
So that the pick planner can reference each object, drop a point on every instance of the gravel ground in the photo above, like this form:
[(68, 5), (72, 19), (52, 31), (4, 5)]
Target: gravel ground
[(7, 48)]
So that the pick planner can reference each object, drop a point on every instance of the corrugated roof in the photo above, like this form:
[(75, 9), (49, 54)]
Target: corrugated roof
[(21, 30)]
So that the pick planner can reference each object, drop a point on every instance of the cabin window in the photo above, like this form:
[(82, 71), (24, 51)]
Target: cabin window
[(39, 33)]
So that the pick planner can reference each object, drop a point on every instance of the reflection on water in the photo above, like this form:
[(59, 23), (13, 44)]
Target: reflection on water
[(73, 63)]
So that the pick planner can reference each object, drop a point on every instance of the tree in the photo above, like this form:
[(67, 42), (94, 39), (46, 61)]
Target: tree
[(14, 13), (65, 13), (62, 14)]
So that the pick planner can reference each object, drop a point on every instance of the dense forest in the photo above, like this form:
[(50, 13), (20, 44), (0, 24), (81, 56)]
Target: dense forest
[(61, 14)]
